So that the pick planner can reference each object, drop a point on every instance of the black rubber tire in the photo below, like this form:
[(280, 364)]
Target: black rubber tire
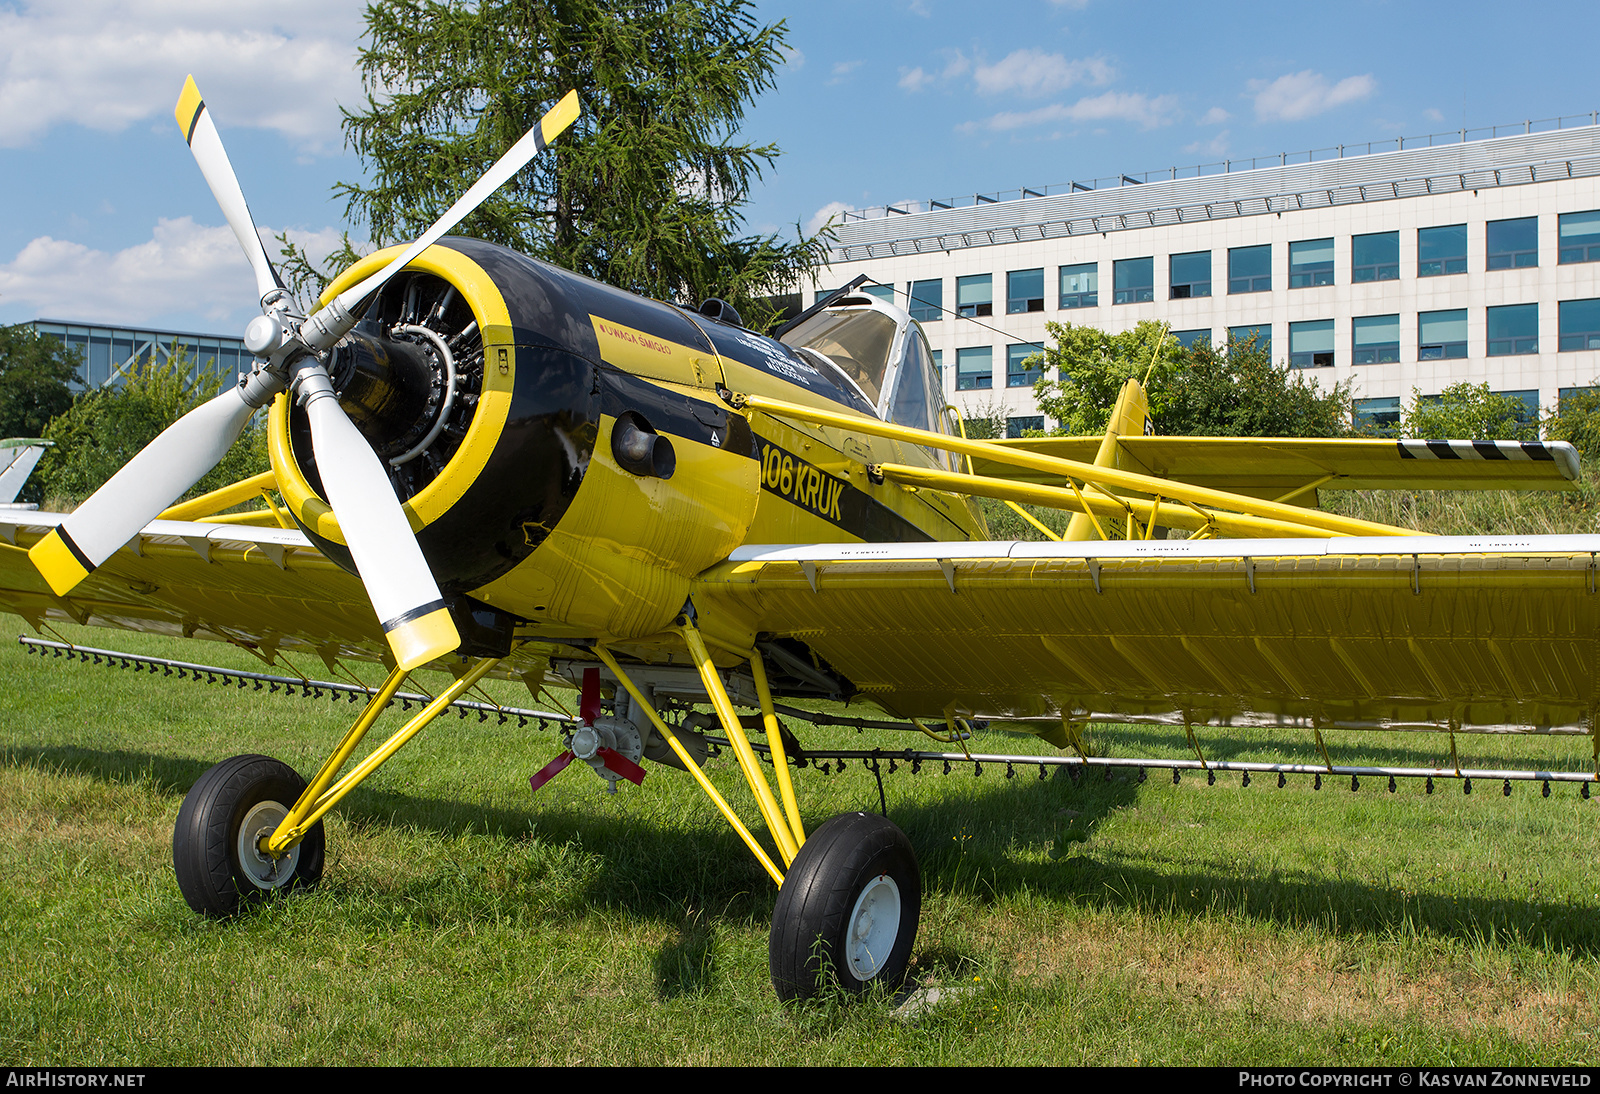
[(807, 951), (205, 841)]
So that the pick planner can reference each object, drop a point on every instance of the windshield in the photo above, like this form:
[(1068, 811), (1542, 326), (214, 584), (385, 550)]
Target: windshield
[(858, 341)]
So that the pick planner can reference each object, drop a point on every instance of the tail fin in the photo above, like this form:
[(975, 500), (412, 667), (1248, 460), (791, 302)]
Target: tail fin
[(1129, 417), (17, 459)]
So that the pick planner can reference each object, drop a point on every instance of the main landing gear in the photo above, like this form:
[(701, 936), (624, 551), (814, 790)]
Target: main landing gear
[(218, 845), (847, 912)]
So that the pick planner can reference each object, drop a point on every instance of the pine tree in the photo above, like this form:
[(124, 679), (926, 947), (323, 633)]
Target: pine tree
[(643, 192)]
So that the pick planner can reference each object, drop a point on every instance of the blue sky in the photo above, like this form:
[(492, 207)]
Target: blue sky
[(108, 220)]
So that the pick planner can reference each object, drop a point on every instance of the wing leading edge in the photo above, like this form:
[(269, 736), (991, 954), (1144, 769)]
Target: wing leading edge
[(1476, 633)]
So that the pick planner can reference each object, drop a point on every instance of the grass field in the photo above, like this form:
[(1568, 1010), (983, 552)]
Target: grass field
[(462, 921)]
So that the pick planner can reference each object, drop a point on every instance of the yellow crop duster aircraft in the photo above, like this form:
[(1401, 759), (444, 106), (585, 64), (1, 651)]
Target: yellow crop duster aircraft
[(496, 466)]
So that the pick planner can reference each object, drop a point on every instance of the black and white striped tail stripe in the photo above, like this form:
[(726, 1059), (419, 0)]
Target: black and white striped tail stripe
[(1473, 450)]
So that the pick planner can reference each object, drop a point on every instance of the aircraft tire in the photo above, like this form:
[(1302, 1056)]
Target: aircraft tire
[(213, 854), (847, 912)]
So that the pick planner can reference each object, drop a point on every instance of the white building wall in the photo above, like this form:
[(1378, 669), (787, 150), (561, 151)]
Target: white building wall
[(1476, 290)]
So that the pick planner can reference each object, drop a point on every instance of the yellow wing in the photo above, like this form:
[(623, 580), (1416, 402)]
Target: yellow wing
[(1269, 467), (1351, 632)]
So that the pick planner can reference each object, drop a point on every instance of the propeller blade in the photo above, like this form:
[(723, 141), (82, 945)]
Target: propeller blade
[(201, 133), (621, 765), (330, 323), (137, 494), (401, 587), (550, 770)]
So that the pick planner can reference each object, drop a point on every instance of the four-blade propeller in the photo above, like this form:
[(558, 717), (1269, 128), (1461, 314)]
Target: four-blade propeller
[(288, 356)]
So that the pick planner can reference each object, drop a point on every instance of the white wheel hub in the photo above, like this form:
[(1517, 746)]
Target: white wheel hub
[(874, 926), (263, 870)]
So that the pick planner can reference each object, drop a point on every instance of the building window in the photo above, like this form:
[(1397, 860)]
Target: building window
[(1441, 335), (1513, 330), (1589, 396), (938, 365), (1189, 339), (927, 300), (880, 292), (1024, 291), (1378, 415), (1375, 257), (1310, 263), (1260, 335), (1580, 324), (1190, 275), (1442, 251), (975, 368), (974, 295), (1133, 280), (1019, 375), (1080, 286), (1579, 237), (1311, 344), (1250, 269), (1376, 340), (1513, 244), (1530, 405), (1015, 427)]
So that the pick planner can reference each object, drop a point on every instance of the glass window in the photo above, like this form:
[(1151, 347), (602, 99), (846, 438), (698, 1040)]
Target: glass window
[(1378, 415), (1513, 329), (1261, 334), (1442, 250), (880, 292), (975, 368), (1190, 275), (1080, 286), (1250, 269), (1588, 394), (1024, 291), (823, 294), (1579, 237), (1311, 344), (1188, 339), (1441, 335), (1015, 426), (974, 295), (1133, 280), (1580, 324), (937, 355), (1311, 263), (1018, 375), (1513, 244), (1376, 340), (1530, 405), (927, 300), (1375, 257)]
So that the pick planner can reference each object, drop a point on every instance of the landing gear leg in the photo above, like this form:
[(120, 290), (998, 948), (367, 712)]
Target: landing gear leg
[(847, 911)]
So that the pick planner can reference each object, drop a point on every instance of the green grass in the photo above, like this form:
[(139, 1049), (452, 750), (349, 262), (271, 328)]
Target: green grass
[(462, 921)]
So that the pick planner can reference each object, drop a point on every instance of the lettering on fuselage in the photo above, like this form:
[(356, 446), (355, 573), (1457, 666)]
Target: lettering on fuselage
[(796, 481)]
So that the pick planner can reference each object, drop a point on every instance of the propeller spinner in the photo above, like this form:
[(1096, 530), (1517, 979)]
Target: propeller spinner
[(289, 353)]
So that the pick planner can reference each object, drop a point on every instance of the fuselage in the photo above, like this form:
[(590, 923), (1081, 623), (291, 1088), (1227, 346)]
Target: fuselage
[(575, 463)]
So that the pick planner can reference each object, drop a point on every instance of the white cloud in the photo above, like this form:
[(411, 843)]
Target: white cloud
[(1142, 110), (1304, 94), (842, 70), (914, 79), (1216, 146), (823, 215), (1433, 115), (108, 64), (1035, 73), (1215, 116), (183, 268)]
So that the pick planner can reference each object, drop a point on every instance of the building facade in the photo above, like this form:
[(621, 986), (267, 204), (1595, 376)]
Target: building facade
[(110, 352), (1402, 271)]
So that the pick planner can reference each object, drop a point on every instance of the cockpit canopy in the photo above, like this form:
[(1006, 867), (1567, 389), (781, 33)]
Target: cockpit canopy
[(883, 353)]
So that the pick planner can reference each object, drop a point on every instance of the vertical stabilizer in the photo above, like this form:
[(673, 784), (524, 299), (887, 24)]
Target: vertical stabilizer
[(17, 457), (1129, 417)]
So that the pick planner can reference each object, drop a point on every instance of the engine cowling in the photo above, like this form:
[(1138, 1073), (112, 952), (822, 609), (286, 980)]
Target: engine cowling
[(558, 445)]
